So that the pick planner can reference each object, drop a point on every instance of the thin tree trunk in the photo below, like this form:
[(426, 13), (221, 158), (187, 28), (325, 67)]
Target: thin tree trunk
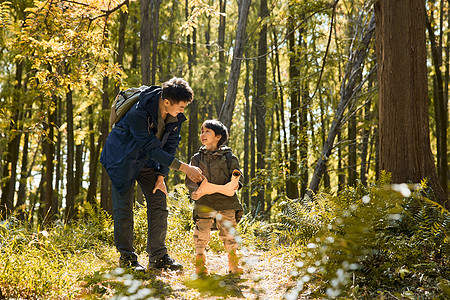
[(246, 190), (70, 181), (155, 4), (294, 73), (365, 144), (226, 112), (323, 122), (222, 64), (352, 174), (58, 159), (260, 108), (21, 194), (253, 145), (94, 148), (49, 212), (145, 40), (441, 113), (78, 178), (105, 195), (11, 158)]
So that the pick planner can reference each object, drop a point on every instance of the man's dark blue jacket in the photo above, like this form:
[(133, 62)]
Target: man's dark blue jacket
[(132, 143)]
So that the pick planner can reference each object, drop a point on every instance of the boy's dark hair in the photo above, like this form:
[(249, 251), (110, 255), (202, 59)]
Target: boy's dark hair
[(219, 129), (177, 90)]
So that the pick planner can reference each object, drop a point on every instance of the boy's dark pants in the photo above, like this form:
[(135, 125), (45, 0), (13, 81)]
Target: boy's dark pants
[(156, 218)]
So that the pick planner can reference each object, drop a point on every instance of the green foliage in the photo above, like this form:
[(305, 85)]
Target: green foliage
[(216, 285), (47, 263), (5, 21), (378, 239)]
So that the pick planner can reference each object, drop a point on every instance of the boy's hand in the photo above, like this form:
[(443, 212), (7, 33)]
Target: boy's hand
[(160, 185)]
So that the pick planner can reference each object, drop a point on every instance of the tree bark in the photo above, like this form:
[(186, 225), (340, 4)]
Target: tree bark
[(155, 5), (405, 150), (145, 40), (246, 189), (49, 210), (226, 113), (294, 73), (260, 109), (441, 113), (105, 195), (222, 65), (70, 178)]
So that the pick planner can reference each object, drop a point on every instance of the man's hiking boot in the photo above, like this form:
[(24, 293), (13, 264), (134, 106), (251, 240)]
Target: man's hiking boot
[(132, 265), (165, 263)]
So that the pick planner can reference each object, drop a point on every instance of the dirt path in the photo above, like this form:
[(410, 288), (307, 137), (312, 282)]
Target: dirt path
[(265, 277)]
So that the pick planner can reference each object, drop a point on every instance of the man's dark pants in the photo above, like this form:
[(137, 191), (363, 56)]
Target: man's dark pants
[(156, 217)]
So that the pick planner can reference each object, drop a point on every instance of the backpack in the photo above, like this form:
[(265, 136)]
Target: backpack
[(123, 102)]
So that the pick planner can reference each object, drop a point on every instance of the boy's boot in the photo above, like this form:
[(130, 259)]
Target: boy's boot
[(200, 264), (233, 263)]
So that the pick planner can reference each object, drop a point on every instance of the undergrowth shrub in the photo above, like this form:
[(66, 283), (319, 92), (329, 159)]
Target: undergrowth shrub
[(48, 262), (375, 240)]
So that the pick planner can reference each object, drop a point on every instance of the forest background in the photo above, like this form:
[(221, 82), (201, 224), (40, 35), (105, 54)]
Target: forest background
[(295, 82)]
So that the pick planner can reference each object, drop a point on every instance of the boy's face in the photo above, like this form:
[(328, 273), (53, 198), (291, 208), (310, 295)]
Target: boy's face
[(209, 138), (174, 109)]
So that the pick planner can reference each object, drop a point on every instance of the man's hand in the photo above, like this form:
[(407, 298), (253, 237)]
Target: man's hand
[(194, 173), (160, 185)]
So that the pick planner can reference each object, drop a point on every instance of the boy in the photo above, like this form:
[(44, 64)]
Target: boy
[(216, 200)]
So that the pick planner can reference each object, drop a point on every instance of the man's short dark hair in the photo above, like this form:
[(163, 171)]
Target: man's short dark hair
[(177, 90), (219, 129)]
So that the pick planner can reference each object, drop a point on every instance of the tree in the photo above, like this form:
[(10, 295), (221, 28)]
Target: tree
[(405, 149), (260, 108), (226, 113)]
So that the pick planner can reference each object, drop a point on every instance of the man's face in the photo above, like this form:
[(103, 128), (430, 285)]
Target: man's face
[(174, 109)]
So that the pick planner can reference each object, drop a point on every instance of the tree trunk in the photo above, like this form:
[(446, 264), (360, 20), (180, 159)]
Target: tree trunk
[(105, 195), (226, 112), (405, 150), (365, 143), (246, 189), (21, 194), (70, 184), (294, 73), (155, 4), (260, 109), (441, 113), (352, 174), (11, 158), (145, 39), (222, 64), (78, 178), (59, 167), (49, 212)]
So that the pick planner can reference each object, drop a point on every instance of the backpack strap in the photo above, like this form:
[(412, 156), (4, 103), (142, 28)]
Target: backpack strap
[(228, 156)]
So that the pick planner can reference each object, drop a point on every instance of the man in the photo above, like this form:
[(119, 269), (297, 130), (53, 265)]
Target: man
[(141, 146)]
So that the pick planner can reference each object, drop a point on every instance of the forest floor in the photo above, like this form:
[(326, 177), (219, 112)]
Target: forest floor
[(266, 276)]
